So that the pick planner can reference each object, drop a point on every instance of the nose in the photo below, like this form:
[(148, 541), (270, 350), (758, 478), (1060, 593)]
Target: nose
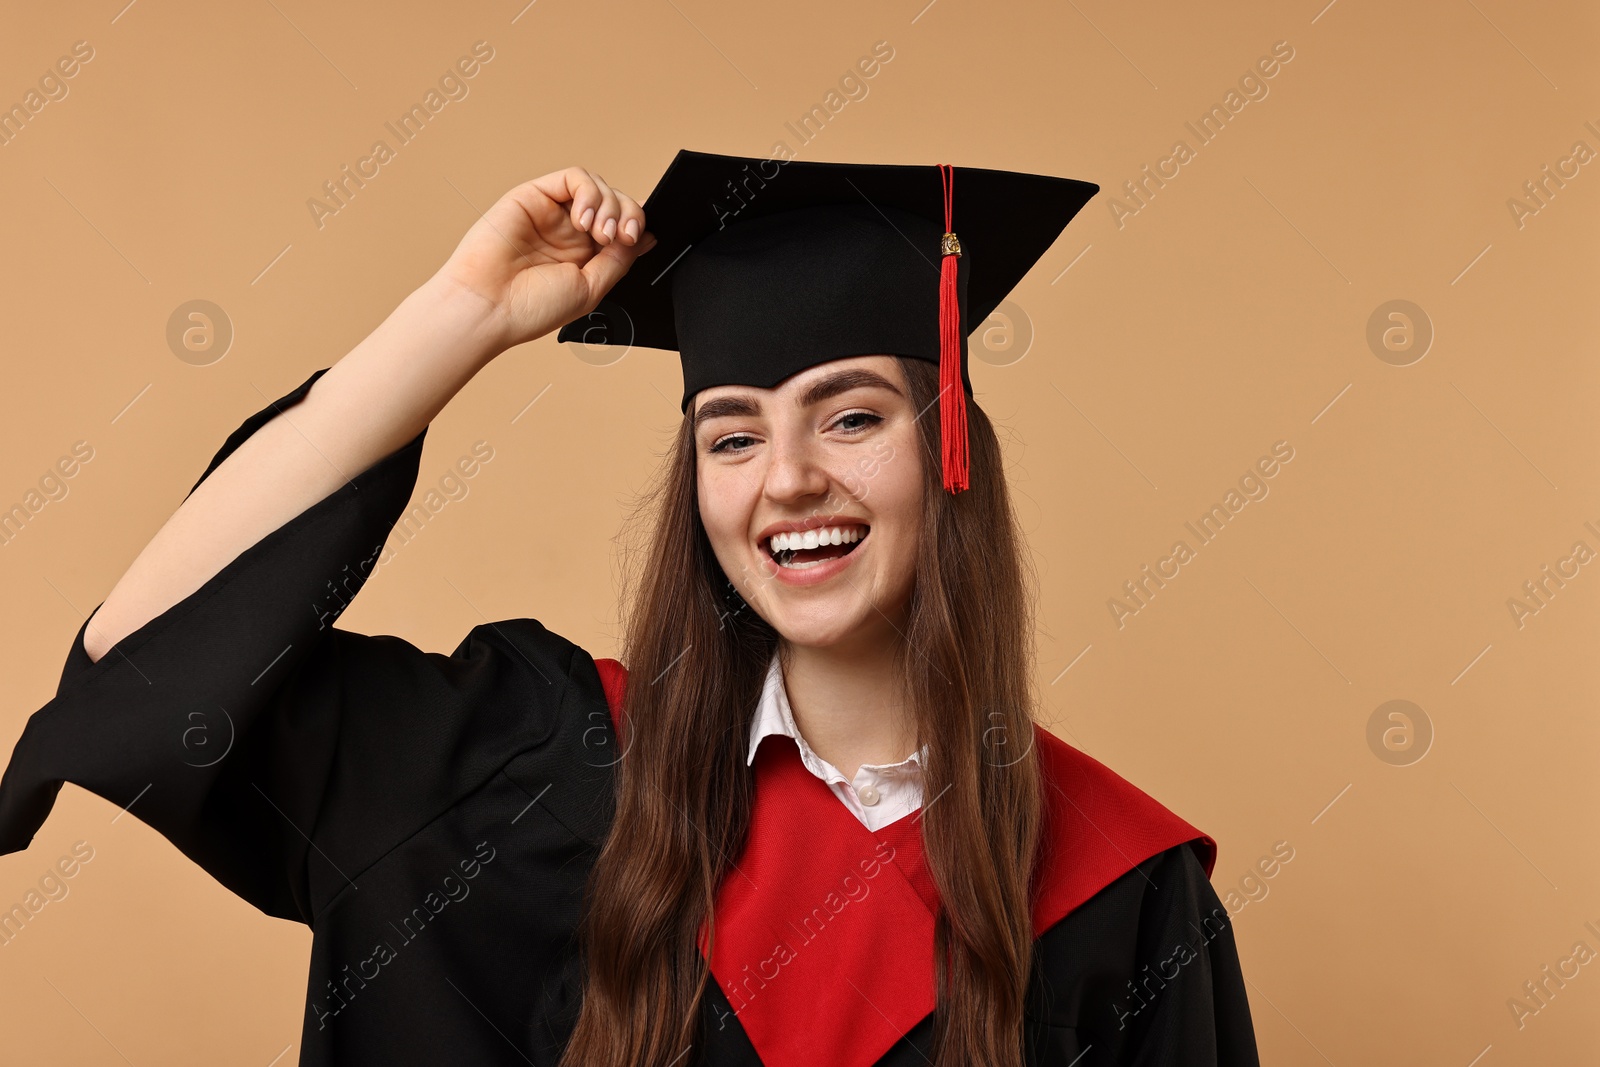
[(795, 471)]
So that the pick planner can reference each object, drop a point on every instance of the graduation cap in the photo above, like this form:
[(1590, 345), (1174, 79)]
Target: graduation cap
[(765, 267)]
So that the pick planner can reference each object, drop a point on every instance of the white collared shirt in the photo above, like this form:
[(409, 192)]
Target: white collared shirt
[(880, 793)]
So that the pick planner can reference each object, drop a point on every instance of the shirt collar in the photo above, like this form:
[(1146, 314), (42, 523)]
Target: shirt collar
[(773, 715)]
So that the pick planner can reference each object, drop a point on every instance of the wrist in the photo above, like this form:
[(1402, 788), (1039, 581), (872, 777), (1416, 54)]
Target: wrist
[(477, 322)]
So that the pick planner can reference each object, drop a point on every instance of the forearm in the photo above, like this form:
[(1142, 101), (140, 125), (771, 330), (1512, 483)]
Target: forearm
[(367, 405)]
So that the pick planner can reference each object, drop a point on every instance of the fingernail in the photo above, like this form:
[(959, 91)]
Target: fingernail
[(610, 228), (586, 218), (633, 229)]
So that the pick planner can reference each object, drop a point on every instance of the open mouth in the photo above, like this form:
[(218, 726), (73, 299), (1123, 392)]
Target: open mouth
[(798, 550)]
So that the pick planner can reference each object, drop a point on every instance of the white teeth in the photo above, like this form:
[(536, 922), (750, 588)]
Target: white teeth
[(795, 540)]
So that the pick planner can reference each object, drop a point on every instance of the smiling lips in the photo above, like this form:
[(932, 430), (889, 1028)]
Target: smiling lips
[(803, 549)]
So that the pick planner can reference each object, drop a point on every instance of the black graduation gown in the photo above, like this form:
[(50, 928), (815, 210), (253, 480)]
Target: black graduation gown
[(434, 818)]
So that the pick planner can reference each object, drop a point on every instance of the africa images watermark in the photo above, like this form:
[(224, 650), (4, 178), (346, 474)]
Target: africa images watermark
[(1150, 982), (453, 889), (852, 88), (53, 487), (1252, 484), (1537, 993), (1253, 87), (812, 925), (1253, 887), (53, 87), (452, 486), (453, 86), (1538, 192), (608, 329), (52, 887), (1538, 592)]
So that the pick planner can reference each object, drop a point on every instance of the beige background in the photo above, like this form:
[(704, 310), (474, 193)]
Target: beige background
[(1229, 313)]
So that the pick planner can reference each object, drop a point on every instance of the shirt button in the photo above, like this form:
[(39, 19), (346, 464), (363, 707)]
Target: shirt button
[(868, 795)]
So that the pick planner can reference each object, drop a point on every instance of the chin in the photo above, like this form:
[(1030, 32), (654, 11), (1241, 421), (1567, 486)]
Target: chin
[(840, 619), (832, 630)]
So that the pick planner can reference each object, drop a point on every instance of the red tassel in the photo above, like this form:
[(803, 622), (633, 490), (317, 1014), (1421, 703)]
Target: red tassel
[(952, 397)]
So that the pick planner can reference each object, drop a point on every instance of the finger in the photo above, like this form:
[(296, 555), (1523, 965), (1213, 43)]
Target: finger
[(604, 226), (630, 224), (575, 187), (588, 202)]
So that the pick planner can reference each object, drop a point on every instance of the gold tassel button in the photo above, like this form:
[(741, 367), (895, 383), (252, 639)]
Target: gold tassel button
[(950, 245)]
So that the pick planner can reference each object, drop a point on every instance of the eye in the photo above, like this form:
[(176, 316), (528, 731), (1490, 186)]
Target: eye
[(861, 421), (726, 444)]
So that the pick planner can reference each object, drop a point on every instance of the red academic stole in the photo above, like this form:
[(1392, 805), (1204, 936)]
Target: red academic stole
[(825, 928)]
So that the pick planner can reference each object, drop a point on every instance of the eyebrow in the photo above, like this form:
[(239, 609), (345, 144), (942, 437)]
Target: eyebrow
[(822, 389)]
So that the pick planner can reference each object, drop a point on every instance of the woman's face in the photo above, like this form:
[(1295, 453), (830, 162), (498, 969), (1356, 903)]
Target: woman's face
[(830, 455)]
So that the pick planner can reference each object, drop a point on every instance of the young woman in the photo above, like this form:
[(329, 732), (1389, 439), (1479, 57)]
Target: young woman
[(812, 821)]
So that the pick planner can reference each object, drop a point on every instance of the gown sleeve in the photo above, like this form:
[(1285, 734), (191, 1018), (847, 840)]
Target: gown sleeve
[(280, 753), (1144, 974), (1191, 1007)]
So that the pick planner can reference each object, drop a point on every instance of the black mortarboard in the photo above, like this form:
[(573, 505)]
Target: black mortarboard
[(765, 267)]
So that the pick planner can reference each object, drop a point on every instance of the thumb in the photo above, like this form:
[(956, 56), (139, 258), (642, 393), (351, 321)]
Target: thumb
[(606, 267)]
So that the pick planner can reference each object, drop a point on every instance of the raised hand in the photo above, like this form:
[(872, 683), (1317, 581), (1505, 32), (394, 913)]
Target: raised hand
[(548, 251)]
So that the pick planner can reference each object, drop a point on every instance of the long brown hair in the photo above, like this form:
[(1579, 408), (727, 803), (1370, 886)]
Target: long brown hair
[(696, 661)]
